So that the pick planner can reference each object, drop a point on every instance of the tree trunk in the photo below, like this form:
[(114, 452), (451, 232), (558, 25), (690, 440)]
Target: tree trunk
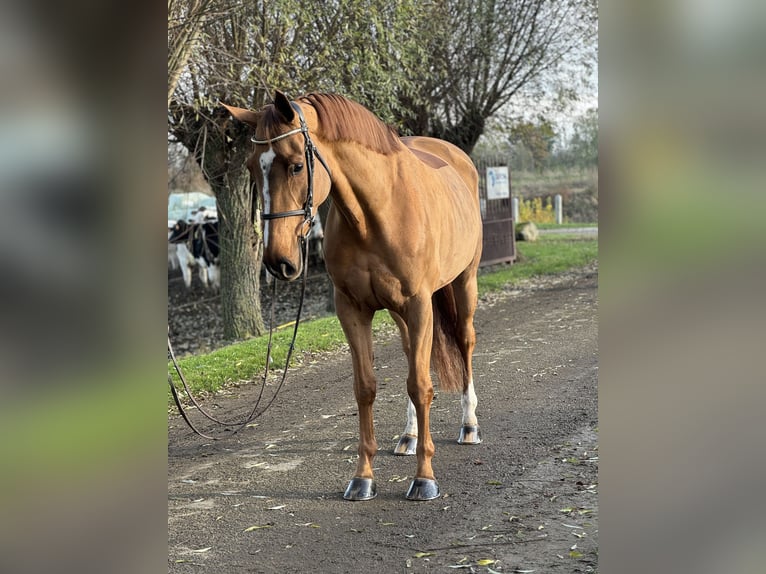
[(241, 255), (466, 132), (221, 147)]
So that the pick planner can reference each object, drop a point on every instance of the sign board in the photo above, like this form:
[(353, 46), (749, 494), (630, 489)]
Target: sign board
[(497, 183)]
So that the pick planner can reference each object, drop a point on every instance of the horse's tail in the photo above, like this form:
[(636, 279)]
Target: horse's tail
[(446, 357)]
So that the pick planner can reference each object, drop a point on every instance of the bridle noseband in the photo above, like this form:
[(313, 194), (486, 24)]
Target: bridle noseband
[(310, 151)]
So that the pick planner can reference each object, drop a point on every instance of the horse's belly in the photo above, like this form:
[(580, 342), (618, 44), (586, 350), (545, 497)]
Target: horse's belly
[(369, 282)]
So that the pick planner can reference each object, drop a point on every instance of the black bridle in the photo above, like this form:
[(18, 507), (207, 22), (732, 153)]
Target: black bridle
[(310, 151)]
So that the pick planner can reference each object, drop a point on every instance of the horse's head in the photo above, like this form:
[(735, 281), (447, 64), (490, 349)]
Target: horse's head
[(289, 185)]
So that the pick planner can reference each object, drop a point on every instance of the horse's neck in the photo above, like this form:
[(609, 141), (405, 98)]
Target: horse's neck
[(363, 189)]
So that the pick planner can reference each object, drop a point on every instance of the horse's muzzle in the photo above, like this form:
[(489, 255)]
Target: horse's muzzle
[(284, 269)]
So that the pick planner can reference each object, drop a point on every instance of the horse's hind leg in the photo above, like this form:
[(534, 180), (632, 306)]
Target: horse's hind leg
[(408, 440), (466, 299)]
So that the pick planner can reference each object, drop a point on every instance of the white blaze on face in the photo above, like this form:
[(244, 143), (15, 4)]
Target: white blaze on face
[(266, 159)]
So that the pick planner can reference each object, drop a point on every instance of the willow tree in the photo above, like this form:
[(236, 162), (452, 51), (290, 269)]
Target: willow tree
[(364, 49), (185, 21), (482, 55)]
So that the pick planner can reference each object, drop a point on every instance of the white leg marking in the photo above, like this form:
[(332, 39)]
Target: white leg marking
[(266, 160), (412, 420), (468, 402)]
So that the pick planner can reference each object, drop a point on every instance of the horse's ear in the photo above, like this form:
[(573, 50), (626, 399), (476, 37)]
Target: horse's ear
[(283, 106), (245, 116)]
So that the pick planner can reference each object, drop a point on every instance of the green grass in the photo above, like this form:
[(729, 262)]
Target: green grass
[(547, 256), (245, 361), (564, 225)]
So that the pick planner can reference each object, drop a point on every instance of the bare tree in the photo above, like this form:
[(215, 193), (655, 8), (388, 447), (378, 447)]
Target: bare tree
[(185, 21), (484, 53)]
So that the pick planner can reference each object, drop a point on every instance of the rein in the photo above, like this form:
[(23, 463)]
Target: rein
[(254, 413), (307, 213)]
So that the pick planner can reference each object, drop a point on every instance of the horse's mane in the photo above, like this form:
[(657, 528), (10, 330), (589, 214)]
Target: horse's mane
[(341, 119)]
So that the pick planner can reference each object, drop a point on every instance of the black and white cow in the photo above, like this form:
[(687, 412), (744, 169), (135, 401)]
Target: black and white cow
[(197, 244)]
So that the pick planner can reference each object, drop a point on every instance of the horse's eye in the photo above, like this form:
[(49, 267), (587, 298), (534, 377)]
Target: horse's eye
[(296, 168)]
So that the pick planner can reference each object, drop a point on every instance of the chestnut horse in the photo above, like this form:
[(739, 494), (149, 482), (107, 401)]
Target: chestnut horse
[(404, 233)]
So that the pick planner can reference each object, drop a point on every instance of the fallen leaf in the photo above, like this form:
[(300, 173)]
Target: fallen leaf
[(397, 478), (256, 527), (423, 554), (575, 554), (485, 562), (201, 550)]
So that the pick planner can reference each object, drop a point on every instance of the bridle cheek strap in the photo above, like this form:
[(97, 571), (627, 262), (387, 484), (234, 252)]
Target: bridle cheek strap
[(310, 152)]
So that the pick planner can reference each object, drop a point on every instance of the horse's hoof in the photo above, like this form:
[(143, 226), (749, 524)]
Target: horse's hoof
[(469, 434), (423, 489), (361, 489), (407, 445)]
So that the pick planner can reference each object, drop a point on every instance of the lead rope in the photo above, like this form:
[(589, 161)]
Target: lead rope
[(254, 412)]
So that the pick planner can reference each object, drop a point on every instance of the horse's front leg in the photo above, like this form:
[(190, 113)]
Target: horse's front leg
[(419, 317), (357, 325)]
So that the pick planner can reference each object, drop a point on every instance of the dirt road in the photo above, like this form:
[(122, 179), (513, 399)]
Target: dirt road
[(270, 498)]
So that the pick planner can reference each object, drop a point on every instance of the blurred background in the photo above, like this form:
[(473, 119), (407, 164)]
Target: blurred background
[(82, 314), (682, 149)]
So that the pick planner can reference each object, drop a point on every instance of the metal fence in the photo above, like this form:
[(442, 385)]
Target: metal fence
[(496, 212)]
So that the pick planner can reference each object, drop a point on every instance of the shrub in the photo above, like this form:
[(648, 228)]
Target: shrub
[(534, 210)]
